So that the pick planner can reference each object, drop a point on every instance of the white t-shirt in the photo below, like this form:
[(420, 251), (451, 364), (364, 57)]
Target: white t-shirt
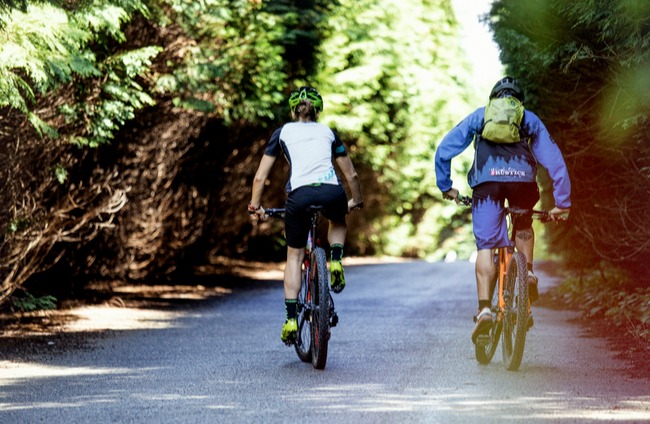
[(309, 147)]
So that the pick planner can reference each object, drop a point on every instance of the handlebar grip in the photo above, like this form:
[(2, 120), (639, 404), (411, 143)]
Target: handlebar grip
[(275, 212), (465, 200)]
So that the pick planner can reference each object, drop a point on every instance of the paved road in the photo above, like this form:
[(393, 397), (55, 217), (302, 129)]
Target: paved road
[(401, 354)]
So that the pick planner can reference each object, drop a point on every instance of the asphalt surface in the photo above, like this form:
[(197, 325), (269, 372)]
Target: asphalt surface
[(401, 354)]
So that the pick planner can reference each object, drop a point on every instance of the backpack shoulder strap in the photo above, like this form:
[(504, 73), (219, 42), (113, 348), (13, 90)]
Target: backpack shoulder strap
[(525, 135)]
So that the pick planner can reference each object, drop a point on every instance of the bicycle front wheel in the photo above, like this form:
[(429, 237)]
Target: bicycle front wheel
[(303, 341), (515, 319), (319, 287)]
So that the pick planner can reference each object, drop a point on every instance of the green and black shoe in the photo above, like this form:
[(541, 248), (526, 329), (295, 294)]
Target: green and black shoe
[(338, 278), (289, 332)]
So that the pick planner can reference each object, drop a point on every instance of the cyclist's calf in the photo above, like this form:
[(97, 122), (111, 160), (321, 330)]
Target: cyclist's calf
[(525, 234)]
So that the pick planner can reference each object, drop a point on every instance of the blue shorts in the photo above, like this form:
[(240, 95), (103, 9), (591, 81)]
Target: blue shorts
[(296, 219), (488, 216)]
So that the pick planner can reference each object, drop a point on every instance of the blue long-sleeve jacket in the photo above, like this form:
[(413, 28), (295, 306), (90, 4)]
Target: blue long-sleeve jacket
[(516, 162)]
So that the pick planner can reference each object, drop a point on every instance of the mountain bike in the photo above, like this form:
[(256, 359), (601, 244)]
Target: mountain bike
[(510, 304), (316, 313)]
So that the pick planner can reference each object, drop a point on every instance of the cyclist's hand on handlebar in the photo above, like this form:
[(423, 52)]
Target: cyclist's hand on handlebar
[(558, 214), (262, 214), (258, 214), (451, 194), (352, 205)]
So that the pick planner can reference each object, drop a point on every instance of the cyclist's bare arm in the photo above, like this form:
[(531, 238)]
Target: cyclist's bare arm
[(261, 175), (351, 176)]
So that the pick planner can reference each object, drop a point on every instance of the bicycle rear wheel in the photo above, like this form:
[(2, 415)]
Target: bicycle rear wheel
[(484, 352), (515, 319), (319, 287), (303, 341)]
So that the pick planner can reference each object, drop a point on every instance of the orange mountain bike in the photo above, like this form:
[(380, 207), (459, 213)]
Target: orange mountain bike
[(510, 302)]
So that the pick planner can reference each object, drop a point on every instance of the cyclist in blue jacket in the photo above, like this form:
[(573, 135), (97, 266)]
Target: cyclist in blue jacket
[(503, 172), (310, 148)]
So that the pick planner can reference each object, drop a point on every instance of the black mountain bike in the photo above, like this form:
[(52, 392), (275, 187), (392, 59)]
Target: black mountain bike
[(316, 314), (510, 301)]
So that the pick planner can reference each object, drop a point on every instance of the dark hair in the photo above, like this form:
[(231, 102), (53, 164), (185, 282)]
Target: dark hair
[(305, 109)]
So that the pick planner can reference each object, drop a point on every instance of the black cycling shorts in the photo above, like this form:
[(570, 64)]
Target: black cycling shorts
[(488, 217), (296, 219)]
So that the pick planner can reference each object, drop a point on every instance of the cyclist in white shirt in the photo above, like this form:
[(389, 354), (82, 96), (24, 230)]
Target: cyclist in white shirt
[(309, 147)]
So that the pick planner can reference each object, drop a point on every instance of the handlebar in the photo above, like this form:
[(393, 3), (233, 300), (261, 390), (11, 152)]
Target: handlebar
[(543, 216), (465, 200), (280, 212), (275, 212)]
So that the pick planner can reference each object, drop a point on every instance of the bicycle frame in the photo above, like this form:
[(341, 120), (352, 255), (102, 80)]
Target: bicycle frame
[(512, 313), (504, 254), (316, 314), (312, 239)]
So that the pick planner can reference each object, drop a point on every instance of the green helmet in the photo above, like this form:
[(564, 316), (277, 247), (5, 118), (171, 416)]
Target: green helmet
[(306, 93)]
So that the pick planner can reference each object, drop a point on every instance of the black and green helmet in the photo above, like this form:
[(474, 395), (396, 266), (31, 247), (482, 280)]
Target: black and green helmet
[(306, 93)]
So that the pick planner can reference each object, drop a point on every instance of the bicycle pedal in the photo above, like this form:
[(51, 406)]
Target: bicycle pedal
[(530, 323), (483, 340), (334, 320)]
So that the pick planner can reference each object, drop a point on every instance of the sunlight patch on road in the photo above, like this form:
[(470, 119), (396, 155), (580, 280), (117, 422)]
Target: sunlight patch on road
[(159, 291), (222, 265), (168, 397), (12, 372), (546, 406), (222, 407), (274, 271), (110, 318)]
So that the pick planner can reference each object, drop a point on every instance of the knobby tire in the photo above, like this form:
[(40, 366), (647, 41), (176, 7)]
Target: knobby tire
[(303, 341), (320, 309), (515, 320)]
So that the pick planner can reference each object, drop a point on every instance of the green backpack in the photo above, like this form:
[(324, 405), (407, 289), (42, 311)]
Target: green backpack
[(502, 120)]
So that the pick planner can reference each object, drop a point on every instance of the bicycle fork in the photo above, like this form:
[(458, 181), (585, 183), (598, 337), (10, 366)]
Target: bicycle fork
[(502, 259)]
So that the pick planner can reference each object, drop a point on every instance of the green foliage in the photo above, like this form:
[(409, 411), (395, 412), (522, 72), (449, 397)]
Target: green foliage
[(586, 69), (40, 45), (45, 47), (29, 303), (17, 225), (392, 90), (103, 20), (384, 68), (233, 66), (7, 6), (60, 173), (121, 96)]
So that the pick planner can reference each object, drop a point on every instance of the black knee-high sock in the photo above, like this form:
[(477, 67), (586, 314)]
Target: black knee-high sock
[(290, 306), (337, 252)]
